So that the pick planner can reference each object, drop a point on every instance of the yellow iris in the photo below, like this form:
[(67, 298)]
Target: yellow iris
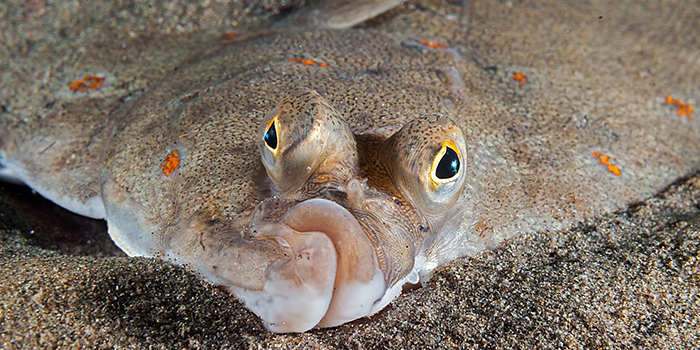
[(272, 135), (435, 180)]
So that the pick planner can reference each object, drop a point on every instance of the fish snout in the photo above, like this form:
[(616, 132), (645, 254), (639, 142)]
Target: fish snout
[(331, 276), (298, 288)]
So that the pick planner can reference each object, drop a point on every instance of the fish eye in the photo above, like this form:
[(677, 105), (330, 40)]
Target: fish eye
[(301, 134), (425, 161), (270, 137), (446, 164)]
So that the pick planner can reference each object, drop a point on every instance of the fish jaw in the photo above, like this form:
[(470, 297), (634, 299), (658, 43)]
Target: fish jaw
[(298, 290), (359, 282), (299, 265), (332, 276)]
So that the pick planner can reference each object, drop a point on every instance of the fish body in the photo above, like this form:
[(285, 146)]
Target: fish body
[(315, 172), (179, 175)]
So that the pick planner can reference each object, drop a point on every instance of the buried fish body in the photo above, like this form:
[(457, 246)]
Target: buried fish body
[(274, 193), (313, 173)]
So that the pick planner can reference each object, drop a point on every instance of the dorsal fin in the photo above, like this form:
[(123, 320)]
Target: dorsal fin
[(338, 14)]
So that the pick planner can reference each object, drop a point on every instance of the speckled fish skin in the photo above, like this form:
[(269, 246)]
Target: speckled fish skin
[(216, 209), (530, 165), (213, 122)]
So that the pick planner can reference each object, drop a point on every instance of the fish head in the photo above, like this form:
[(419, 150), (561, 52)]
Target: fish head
[(353, 215)]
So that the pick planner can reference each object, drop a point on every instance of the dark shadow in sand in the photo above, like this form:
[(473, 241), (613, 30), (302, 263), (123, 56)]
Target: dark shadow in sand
[(46, 225)]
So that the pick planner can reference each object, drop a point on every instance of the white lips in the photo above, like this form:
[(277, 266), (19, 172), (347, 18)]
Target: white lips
[(359, 282), (332, 277)]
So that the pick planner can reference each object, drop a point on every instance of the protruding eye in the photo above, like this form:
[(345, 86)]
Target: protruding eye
[(270, 137), (300, 136), (446, 164), (425, 160)]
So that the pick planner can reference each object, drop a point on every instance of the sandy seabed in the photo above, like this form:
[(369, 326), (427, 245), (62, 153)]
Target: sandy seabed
[(627, 279)]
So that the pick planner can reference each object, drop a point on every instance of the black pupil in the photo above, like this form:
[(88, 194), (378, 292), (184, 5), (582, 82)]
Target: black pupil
[(271, 136), (448, 166)]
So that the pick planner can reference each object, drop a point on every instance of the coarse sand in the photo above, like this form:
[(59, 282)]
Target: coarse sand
[(627, 279)]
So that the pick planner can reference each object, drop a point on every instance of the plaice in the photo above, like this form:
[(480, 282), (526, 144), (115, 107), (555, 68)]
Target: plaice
[(532, 145)]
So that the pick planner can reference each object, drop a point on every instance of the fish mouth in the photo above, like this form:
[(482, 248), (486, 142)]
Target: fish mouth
[(330, 277)]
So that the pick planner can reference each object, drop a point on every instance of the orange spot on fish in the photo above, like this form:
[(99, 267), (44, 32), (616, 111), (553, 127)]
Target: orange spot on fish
[(195, 94), (307, 62), (520, 77), (171, 162), (229, 35), (682, 108), (604, 159), (433, 45), (89, 82)]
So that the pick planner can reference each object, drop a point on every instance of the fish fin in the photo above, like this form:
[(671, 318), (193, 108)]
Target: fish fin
[(56, 130), (338, 14), (74, 187), (7, 175)]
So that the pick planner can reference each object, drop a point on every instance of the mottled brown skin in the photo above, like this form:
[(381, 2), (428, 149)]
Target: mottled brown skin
[(391, 223), (233, 111), (200, 214), (530, 164)]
